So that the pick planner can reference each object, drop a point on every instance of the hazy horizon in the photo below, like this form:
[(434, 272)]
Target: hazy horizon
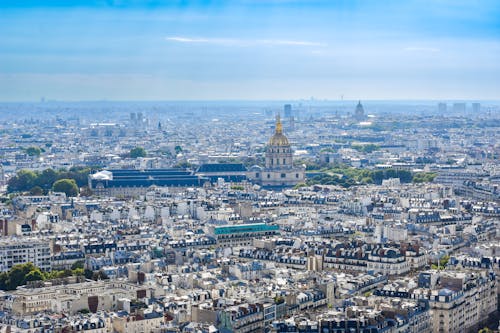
[(283, 50)]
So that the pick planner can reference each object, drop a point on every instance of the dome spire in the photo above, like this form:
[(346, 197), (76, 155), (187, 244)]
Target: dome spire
[(278, 139), (279, 127)]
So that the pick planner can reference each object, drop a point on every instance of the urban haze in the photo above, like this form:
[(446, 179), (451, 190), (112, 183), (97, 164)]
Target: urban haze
[(281, 166)]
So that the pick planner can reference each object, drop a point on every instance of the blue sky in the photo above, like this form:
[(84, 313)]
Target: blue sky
[(274, 49)]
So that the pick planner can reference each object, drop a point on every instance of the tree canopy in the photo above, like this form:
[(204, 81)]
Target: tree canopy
[(67, 186), (424, 177), (348, 176), (21, 274), (365, 148), (24, 180), (33, 151), (138, 152), (27, 180)]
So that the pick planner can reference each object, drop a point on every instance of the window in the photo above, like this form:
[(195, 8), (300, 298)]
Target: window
[(268, 176), (283, 175), (284, 161), (257, 175), (296, 175)]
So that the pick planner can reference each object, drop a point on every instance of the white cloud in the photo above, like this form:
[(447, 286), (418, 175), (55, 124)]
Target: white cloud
[(242, 42), (203, 40)]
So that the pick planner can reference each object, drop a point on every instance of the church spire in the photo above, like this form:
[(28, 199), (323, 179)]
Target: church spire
[(279, 127)]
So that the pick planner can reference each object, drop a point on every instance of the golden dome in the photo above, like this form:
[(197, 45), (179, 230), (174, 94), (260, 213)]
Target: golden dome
[(278, 139)]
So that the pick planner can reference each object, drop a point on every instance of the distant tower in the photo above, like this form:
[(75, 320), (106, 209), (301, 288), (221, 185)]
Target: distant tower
[(359, 114), (459, 108), (442, 108), (287, 108), (476, 108)]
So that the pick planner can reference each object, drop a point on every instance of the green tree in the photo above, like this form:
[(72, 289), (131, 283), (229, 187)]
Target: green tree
[(21, 274), (33, 151), (138, 152), (24, 180), (4, 276), (17, 275), (365, 148), (78, 264), (35, 275), (88, 273), (36, 190), (67, 186), (424, 177), (66, 273), (444, 260), (47, 178), (79, 174)]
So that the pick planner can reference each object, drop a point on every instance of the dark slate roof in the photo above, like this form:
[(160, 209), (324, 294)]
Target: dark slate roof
[(222, 167), (229, 179), (150, 177)]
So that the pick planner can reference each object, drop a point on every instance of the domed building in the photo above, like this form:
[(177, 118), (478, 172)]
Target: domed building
[(279, 170), (359, 113)]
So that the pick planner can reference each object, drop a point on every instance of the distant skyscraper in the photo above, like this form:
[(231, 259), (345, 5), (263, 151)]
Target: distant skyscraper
[(476, 108), (442, 107), (287, 108), (459, 107)]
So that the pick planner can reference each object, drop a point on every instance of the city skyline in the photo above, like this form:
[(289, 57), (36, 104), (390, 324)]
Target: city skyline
[(249, 50)]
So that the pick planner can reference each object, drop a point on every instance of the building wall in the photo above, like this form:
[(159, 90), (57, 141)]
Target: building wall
[(14, 252)]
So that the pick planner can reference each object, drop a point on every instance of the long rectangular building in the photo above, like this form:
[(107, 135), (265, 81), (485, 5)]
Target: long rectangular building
[(243, 234), (129, 183)]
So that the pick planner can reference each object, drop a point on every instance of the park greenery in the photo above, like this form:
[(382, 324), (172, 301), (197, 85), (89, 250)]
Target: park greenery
[(347, 176), (138, 152), (22, 274), (366, 148), (442, 262), (485, 330), (33, 151), (37, 182), (424, 177)]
